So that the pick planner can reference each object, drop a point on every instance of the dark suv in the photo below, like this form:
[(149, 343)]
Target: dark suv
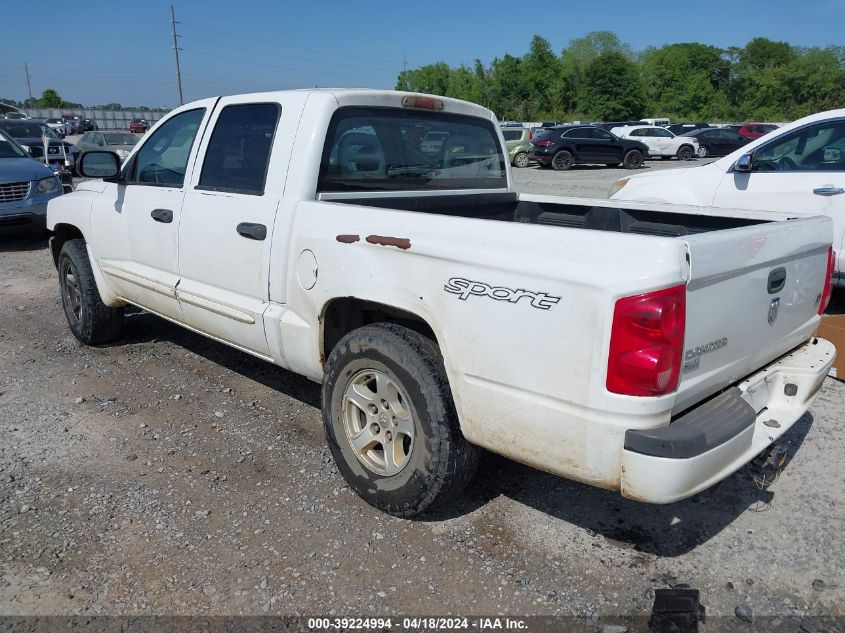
[(562, 147)]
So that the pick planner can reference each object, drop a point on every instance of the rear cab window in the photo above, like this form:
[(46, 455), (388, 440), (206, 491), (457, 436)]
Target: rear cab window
[(391, 149)]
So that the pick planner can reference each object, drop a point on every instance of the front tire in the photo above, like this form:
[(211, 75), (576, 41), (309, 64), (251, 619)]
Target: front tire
[(521, 160), (562, 161), (703, 152), (633, 159), (390, 421), (685, 152), (90, 320)]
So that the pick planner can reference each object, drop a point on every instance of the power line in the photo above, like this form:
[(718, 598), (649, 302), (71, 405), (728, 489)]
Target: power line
[(277, 66), (380, 60), (176, 51)]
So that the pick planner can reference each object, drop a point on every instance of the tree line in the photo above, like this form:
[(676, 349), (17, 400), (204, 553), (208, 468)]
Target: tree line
[(599, 77), (50, 98)]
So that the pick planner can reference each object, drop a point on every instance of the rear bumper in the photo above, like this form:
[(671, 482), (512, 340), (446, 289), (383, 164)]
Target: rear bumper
[(722, 435)]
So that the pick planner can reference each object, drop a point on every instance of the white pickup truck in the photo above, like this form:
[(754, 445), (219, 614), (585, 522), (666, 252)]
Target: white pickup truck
[(643, 348)]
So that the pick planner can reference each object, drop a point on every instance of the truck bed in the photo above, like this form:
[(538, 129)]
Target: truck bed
[(543, 210)]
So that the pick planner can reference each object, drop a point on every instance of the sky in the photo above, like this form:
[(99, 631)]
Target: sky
[(122, 52)]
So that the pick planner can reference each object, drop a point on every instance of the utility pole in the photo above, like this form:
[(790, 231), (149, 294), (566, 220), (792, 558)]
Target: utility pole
[(176, 51), (404, 63), (28, 85)]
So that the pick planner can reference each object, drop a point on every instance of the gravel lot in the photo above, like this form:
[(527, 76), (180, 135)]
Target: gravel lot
[(169, 474)]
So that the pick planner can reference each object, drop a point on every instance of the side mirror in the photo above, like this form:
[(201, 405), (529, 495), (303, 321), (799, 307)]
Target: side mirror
[(743, 163), (99, 165)]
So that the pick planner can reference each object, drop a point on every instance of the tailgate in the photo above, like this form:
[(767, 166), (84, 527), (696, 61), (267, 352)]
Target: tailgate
[(753, 295)]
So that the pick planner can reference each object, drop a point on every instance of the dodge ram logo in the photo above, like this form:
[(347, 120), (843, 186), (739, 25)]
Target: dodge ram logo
[(466, 288)]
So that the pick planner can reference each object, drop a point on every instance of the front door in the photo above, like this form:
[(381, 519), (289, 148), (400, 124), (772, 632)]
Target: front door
[(135, 225), (607, 148), (228, 217)]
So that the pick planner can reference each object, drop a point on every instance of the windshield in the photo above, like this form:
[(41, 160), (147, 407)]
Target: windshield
[(26, 129), (391, 149), (10, 149), (120, 139)]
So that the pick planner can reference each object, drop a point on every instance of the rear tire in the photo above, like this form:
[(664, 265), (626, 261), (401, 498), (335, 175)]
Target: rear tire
[(521, 160), (90, 320), (562, 161), (633, 159), (685, 152), (385, 384)]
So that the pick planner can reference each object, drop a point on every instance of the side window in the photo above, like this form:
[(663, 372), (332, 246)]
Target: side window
[(98, 140), (659, 131), (816, 148), (602, 134), (238, 153), (86, 138), (512, 135), (640, 132), (163, 158)]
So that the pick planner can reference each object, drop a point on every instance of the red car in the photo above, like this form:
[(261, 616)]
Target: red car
[(139, 126), (753, 130)]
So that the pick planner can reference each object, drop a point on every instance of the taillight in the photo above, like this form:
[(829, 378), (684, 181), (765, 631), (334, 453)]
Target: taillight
[(544, 143), (827, 291), (647, 343), (531, 135)]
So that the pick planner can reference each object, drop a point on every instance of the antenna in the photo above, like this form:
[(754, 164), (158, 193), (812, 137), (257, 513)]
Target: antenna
[(176, 51)]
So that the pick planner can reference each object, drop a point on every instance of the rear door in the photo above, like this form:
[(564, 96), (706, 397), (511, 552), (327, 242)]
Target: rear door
[(752, 296), (581, 140), (802, 173), (227, 224)]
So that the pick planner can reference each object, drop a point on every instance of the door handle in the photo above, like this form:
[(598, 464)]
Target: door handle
[(828, 190), (252, 231), (162, 215)]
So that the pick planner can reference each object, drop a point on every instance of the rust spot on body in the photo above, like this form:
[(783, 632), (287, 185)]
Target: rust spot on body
[(382, 240), (348, 239)]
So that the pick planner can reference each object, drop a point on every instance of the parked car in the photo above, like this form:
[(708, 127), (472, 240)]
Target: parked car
[(138, 126), (660, 141), (89, 125), (565, 333), (519, 147), (716, 141), (62, 127), (563, 147), (75, 122), (798, 169), (682, 128), (26, 186), (121, 143), (753, 130), (29, 135), (609, 125)]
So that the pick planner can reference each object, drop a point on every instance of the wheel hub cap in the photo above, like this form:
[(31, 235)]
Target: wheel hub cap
[(378, 423)]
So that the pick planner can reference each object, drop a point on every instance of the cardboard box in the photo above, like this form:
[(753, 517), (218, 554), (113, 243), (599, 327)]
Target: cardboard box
[(832, 328)]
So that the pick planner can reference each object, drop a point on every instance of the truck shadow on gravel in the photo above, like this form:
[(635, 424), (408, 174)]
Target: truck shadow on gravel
[(142, 327), (15, 241), (661, 530)]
